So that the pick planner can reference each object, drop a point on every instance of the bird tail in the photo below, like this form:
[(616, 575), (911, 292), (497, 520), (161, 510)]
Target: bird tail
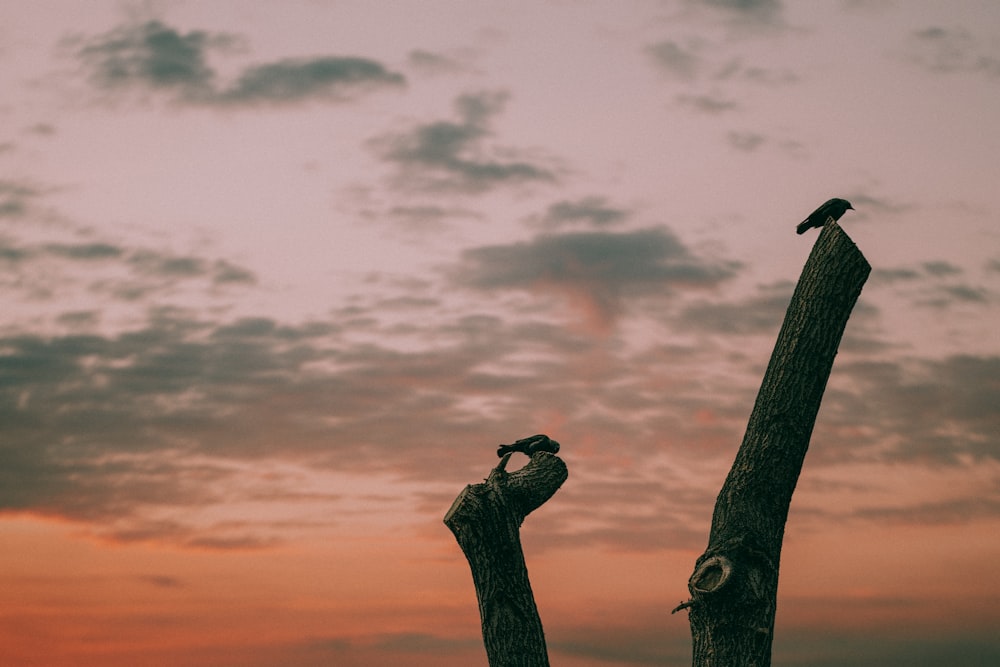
[(803, 226)]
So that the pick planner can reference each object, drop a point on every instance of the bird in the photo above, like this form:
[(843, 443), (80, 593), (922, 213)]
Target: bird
[(834, 208), (530, 445)]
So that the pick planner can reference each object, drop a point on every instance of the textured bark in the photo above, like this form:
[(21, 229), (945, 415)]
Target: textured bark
[(735, 582), (485, 519)]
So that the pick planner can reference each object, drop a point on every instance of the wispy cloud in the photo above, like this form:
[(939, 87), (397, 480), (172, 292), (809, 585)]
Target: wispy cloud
[(455, 156), (298, 79), (754, 11), (44, 270), (673, 58), (969, 508), (931, 412), (708, 103), (937, 285), (749, 141), (593, 270), (949, 50), (593, 212), (430, 62), (714, 78), (736, 71), (154, 57), (146, 433), (15, 198), (746, 141), (761, 313), (428, 217)]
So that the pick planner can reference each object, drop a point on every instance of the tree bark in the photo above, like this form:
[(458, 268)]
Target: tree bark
[(485, 519), (735, 582)]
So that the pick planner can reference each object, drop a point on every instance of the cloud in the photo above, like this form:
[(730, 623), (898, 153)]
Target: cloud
[(447, 155), (949, 50), (675, 59), (715, 78), (224, 272), (736, 71), (749, 141), (711, 104), (589, 211), (154, 57), (762, 313), (746, 141), (937, 512), (936, 284), (15, 198), (430, 62), (120, 430), (930, 412), (43, 271), (42, 129), (159, 264), (672, 514), (866, 204), (141, 434), (594, 270), (418, 642), (941, 268), (144, 434), (635, 641), (83, 251), (696, 58), (153, 430), (428, 217), (13, 251), (884, 648), (951, 294), (935, 270), (162, 581), (293, 80), (753, 10), (374, 647), (894, 275)]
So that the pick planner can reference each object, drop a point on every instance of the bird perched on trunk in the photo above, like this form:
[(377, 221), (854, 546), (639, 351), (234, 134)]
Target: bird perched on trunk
[(834, 208), (530, 445)]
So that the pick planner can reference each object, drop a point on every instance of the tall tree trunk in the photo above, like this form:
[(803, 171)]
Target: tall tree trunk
[(735, 582), (486, 519)]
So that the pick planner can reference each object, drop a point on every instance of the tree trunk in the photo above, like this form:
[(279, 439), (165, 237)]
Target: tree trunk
[(485, 519), (735, 582)]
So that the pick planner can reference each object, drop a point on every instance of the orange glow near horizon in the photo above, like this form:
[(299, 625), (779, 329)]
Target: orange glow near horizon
[(76, 601)]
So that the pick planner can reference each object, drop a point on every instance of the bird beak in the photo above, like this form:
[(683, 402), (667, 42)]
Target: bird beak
[(850, 207)]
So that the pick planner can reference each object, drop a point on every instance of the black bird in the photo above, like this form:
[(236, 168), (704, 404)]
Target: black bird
[(834, 208), (530, 445)]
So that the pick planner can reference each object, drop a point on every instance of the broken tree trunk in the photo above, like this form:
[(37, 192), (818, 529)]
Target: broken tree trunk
[(735, 582), (486, 519)]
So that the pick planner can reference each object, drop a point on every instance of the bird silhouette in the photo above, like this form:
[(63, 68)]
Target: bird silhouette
[(833, 208), (530, 445)]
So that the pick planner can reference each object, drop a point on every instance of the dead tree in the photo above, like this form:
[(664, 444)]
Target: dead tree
[(735, 582), (486, 519)]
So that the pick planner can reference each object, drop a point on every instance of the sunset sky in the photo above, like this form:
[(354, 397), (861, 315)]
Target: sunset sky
[(278, 277)]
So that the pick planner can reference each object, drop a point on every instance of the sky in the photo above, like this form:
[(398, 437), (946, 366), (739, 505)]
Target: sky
[(279, 277)]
